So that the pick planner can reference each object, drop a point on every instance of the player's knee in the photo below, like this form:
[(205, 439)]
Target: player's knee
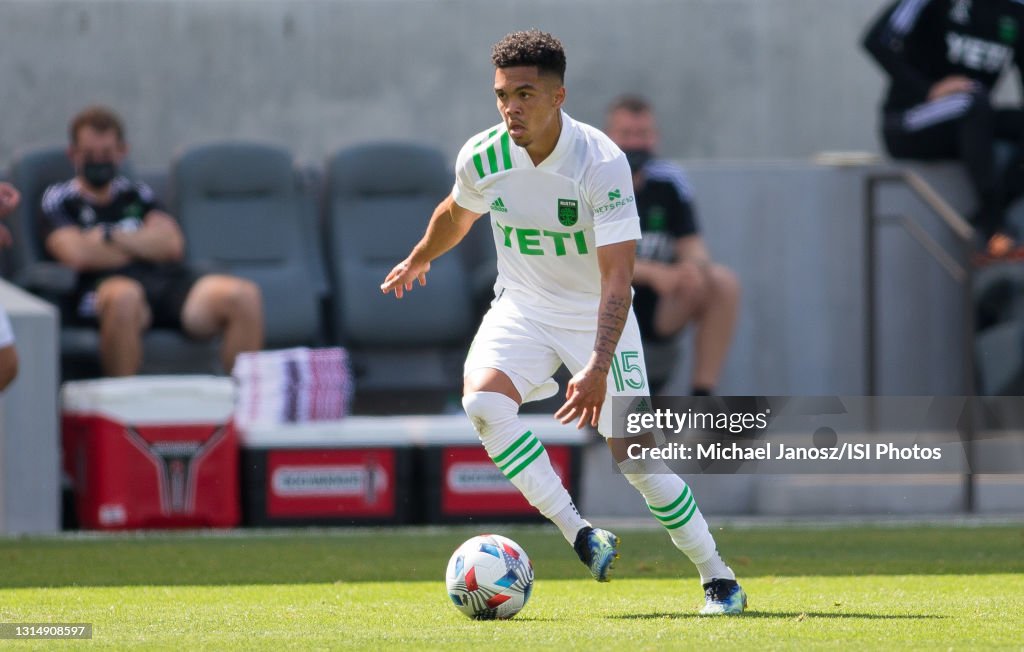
[(121, 300), (693, 283), (726, 284), (488, 410), (245, 296)]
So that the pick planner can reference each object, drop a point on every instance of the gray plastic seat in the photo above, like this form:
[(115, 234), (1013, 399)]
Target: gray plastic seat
[(379, 200), (28, 265), (241, 210)]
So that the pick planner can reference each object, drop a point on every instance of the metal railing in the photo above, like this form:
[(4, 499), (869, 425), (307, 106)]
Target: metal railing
[(961, 273)]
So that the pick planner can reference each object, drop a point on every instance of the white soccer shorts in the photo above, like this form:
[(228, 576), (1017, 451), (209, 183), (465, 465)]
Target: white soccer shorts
[(530, 352)]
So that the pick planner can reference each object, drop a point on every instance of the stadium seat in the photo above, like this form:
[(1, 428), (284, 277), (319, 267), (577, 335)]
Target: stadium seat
[(28, 265), (242, 212), (379, 199)]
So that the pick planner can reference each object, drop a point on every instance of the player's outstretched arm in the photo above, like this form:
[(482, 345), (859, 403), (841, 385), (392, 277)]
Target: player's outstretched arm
[(586, 391), (448, 226)]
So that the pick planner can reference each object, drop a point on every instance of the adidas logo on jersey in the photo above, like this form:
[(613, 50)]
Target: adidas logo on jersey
[(498, 206)]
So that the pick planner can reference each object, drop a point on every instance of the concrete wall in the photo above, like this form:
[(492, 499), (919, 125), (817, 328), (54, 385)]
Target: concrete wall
[(29, 450), (730, 78), (794, 234)]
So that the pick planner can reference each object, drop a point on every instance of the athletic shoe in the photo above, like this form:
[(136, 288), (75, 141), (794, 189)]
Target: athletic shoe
[(598, 550), (723, 597)]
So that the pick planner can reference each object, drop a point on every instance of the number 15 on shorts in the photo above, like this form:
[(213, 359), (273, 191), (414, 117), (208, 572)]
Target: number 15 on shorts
[(627, 372)]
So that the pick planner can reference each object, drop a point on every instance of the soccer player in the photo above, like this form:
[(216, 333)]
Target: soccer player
[(565, 226)]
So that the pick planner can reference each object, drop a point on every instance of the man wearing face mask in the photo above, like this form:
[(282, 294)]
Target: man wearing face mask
[(674, 279), (128, 252)]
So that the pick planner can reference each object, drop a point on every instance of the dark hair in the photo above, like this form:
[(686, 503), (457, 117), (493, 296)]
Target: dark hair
[(631, 103), (99, 118), (530, 48)]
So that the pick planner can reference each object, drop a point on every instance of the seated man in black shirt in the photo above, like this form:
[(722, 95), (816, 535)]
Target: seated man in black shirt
[(943, 58), (128, 254), (674, 279)]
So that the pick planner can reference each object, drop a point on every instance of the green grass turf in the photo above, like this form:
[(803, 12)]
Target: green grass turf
[(851, 587)]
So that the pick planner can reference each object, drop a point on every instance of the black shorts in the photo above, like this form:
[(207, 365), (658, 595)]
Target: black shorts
[(166, 288)]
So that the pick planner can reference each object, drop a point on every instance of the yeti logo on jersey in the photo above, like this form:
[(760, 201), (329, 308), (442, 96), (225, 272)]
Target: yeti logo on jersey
[(538, 242), (961, 12), (568, 211), (975, 53)]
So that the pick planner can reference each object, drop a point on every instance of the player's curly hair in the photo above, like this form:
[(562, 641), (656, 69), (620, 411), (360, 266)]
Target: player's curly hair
[(530, 48)]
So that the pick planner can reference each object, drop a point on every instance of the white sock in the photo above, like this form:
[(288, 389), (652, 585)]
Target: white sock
[(522, 458), (672, 503), (714, 569), (569, 522)]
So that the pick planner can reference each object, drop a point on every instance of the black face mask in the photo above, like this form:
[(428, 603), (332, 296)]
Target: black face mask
[(637, 158), (98, 175)]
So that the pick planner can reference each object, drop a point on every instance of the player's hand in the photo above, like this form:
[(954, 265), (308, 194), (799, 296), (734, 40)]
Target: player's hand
[(402, 277), (952, 84), (584, 397), (9, 198)]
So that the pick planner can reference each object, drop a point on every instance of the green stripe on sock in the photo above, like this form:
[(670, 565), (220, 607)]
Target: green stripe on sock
[(536, 454), (675, 503), (674, 515), (684, 521), (507, 451), (520, 454), (506, 153)]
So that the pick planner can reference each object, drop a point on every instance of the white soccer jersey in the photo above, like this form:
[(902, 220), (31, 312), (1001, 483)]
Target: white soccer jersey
[(548, 220)]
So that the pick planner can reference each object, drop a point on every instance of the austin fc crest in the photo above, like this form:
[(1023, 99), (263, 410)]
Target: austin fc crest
[(568, 212)]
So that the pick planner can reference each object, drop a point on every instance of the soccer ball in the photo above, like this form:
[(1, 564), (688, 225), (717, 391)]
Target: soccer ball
[(489, 577)]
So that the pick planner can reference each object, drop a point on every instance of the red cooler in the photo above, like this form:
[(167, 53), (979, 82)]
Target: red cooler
[(151, 452), (343, 472)]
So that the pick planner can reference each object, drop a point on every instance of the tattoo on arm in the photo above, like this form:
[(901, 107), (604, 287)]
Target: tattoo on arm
[(610, 322)]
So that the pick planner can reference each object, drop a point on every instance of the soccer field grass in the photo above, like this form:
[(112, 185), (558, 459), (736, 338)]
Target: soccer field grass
[(923, 587)]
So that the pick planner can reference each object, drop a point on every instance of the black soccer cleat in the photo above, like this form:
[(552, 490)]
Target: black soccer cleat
[(723, 597), (597, 549)]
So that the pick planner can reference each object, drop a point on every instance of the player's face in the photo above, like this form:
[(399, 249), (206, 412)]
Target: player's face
[(632, 131), (92, 146), (529, 103)]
